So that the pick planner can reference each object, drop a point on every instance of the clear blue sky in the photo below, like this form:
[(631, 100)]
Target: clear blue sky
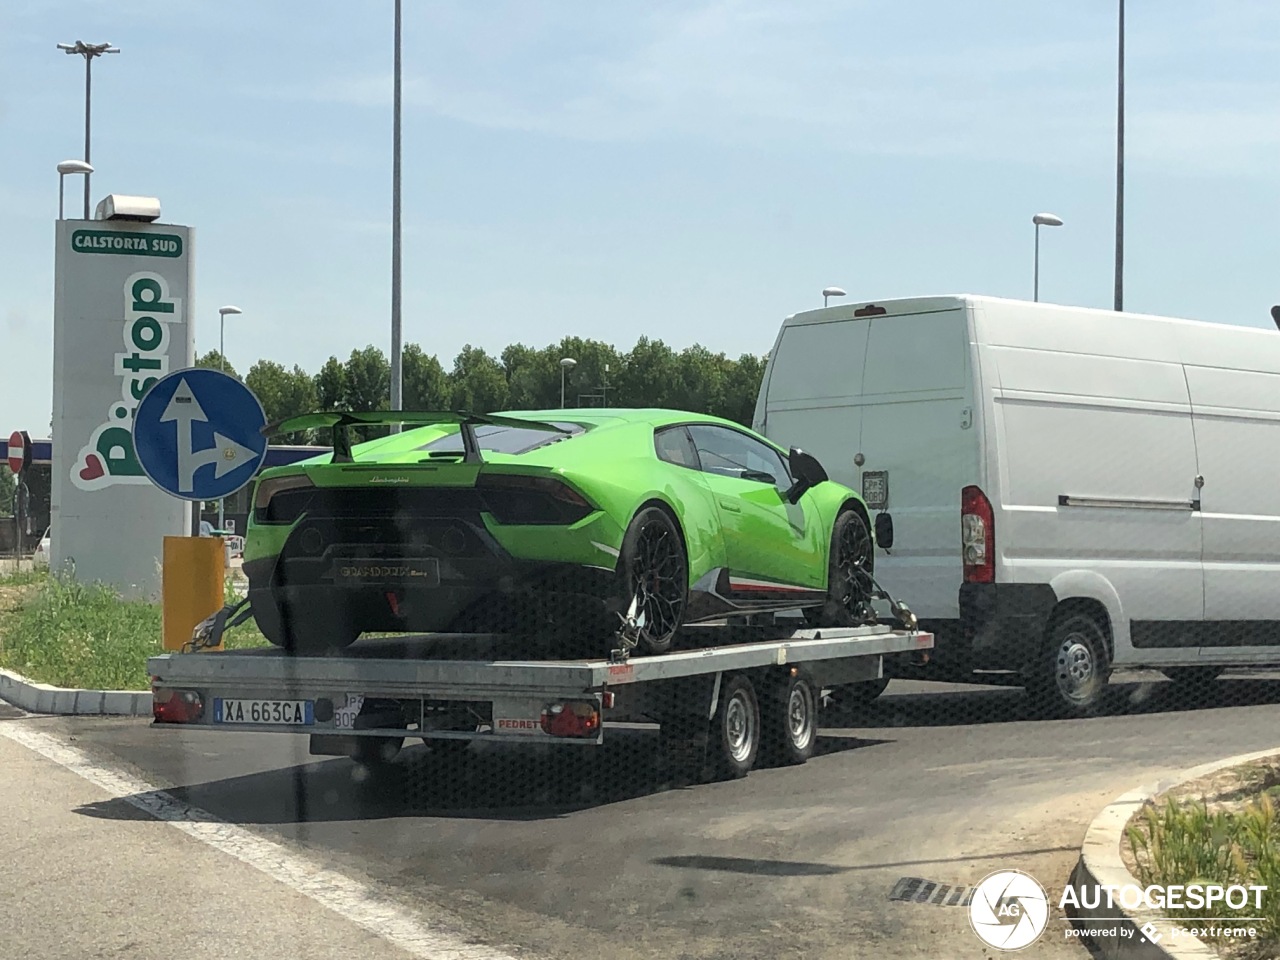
[(683, 169)]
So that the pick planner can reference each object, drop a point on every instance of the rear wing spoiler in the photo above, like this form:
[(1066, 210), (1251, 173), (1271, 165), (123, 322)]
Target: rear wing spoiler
[(340, 421)]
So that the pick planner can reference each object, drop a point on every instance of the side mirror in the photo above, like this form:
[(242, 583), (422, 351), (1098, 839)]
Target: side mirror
[(884, 530), (806, 471)]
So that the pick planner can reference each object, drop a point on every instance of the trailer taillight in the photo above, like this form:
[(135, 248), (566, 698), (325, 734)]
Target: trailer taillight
[(977, 536), (576, 718), (175, 706)]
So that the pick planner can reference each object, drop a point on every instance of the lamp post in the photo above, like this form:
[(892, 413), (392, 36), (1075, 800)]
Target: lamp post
[(1119, 277), (831, 292), (1041, 220), (67, 167), (222, 357), (397, 361), (567, 364), (88, 51)]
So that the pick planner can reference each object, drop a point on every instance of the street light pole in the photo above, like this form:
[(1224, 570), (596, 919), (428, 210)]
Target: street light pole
[(1041, 220), (88, 51), (64, 168), (397, 372), (566, 364), (1119, 276), (222, 358), (831, 292)]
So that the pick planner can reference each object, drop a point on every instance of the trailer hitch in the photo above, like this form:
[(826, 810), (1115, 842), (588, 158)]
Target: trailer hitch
[(208, 632)]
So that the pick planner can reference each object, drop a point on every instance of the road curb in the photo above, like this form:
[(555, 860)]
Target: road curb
[(43, 698), (1101, 866)]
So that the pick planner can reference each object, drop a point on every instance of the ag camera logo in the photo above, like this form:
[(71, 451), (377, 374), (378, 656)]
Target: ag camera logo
[(1009, 910)]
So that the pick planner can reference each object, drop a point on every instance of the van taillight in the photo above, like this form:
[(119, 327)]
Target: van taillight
[(977, 536)]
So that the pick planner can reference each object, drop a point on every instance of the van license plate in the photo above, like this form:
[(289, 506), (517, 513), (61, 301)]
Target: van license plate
[(299, 713), (875, 488)]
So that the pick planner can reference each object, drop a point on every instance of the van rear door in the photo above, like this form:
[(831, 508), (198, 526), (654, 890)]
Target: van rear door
[(884, 401)]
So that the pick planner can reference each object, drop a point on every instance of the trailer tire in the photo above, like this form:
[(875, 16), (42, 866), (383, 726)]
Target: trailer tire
[(735, 729), (789, 721)]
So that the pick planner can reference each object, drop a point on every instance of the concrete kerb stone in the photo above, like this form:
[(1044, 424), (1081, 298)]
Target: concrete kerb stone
[(43, 698), (1101, 865)]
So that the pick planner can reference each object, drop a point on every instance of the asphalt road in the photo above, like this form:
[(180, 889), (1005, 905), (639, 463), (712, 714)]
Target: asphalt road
[(586, 852)]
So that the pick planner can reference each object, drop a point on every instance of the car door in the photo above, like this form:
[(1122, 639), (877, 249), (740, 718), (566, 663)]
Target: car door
[(765, 536)]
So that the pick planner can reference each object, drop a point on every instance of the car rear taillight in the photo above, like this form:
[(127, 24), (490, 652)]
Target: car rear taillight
[(977, 536), (281, 499), (175, 706), (576, 718), (518, 498)]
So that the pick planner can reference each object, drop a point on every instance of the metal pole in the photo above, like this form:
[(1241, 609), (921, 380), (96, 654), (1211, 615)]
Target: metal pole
[(397, 382), (88, 100), (222, 359), (62, 182), (1035, 287), (562, 386), (1119, 278)]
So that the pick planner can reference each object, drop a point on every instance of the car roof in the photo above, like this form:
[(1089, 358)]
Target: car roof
[(655, 416)]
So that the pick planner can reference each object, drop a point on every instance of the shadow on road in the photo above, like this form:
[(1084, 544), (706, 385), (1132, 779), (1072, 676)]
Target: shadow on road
[(794, 868), (491, 781), (1011, 705)]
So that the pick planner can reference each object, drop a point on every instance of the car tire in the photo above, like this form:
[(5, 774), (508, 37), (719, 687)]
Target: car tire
[(1071, 677), (653, 567), (789, 721), (302, 636), (849, 566)]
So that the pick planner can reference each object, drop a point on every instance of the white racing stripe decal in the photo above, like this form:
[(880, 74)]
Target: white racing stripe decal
[(350, 899)]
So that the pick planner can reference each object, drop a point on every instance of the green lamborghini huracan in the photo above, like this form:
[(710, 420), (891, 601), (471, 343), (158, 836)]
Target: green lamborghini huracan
[(564, 523)]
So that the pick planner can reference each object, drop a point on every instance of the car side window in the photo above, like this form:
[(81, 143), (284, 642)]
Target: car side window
[(674, 445), (733, 454)]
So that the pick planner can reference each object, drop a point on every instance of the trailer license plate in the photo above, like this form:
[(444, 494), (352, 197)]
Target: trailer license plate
[(299, 713)]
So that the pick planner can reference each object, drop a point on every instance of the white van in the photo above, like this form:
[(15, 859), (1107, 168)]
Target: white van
[(1068, 488)]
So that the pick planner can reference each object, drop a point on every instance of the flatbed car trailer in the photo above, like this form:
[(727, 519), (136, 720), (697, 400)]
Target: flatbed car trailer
[(721, 708)]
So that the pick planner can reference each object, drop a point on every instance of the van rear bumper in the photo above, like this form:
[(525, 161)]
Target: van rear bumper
[(1002, 624)]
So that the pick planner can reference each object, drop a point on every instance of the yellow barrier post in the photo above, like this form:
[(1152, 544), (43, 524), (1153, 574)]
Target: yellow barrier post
[(193, 571)]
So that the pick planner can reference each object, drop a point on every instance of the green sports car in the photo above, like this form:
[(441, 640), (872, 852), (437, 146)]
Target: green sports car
[(570, 524)]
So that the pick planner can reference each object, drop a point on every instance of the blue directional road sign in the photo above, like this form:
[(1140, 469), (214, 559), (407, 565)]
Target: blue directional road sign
[(198, 434)]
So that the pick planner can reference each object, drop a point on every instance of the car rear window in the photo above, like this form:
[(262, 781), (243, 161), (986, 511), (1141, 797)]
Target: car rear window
[(499, 438)]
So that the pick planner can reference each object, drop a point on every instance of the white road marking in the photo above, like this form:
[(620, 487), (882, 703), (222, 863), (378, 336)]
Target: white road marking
[(350, 899)]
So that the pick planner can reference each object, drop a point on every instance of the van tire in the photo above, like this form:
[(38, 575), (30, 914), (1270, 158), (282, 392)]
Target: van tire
[(850, 561), (1070, 679)]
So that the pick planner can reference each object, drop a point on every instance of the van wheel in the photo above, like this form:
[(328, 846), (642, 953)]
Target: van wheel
[(1071, 678)]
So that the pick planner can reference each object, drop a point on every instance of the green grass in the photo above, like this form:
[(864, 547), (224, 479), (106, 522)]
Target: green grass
[(75, 635), (1182, 842)]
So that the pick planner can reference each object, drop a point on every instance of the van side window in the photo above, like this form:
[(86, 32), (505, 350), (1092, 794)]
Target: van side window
[(732, 454), (674, 445)]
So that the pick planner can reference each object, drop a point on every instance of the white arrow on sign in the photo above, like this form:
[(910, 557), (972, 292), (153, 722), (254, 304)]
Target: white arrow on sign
[(226, 455)]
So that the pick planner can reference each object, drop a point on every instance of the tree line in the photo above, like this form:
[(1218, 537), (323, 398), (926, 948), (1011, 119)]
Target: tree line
[(650, 374)]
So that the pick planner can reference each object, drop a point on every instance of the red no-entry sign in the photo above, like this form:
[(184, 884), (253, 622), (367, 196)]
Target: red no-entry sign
[(19, 451)]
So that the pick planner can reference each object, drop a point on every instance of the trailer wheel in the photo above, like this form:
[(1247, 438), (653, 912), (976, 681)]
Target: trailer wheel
[(735, 729), (789, 715)]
